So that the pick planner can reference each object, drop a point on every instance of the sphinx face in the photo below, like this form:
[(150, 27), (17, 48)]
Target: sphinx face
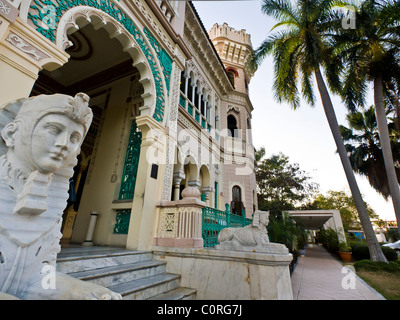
[(56, 139), (264, 219)]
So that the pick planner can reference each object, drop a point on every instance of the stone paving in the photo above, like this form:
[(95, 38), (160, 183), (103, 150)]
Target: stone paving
[(320, 276)]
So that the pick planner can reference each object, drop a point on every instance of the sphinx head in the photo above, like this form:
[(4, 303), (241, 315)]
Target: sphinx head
[(260, 218), (47, 132)]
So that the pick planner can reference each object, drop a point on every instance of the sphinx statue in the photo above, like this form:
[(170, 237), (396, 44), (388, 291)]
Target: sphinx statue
[(41, 139), (253, 237)]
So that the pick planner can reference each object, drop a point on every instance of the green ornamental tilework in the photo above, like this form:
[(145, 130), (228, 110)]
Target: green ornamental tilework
[(128, 180), (122, 220), (182, 101), (190, 110), (47, 14), (162, 55)]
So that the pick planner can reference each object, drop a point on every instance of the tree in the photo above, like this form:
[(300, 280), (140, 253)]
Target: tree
[(364, 149), (281, 185), (286, 231), (299, 52), (340, 200), (371, 52)]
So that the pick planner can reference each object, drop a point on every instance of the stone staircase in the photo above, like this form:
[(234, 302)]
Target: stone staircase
[(133, 274)]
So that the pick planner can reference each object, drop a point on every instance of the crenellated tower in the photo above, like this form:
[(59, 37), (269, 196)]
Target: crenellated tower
[(233, 47)]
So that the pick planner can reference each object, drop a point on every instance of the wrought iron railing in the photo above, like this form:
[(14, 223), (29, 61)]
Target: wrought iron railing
[(215, 220), (122, 221)]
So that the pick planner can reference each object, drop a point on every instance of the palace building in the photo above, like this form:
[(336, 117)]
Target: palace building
[(170, 146)]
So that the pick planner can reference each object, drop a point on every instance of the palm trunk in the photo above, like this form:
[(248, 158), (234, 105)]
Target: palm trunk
[(375, 249), (396, 103), (386, 148)]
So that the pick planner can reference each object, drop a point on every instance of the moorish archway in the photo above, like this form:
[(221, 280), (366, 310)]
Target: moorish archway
[(57, 19)]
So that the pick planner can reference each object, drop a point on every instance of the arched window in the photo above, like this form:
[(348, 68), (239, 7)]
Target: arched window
[(232, 74), (232, 126), (237, 205), (236, 193)]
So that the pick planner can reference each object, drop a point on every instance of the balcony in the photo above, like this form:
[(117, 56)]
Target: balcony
[(195, 113), (167, 8)]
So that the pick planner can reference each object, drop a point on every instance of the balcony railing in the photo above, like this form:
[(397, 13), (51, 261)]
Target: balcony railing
[(186, 104), (215, 220)]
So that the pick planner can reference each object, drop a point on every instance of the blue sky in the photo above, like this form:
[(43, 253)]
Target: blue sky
[(303, 134)]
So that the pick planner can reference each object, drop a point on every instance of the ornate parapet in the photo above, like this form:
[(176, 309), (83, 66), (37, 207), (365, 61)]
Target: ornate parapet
[(180, 222)]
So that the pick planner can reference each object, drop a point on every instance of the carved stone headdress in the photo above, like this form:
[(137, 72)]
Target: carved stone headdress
[(23, 115), (256, 217), (27, 112), (75, 108)]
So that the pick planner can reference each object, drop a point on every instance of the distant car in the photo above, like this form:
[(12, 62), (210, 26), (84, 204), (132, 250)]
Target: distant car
[(394, 245)]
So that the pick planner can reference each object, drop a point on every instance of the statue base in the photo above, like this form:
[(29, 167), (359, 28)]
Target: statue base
[(230, 275), (273, 248)]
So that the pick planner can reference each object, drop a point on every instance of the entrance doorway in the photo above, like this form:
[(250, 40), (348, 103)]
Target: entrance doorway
[(100, 68)]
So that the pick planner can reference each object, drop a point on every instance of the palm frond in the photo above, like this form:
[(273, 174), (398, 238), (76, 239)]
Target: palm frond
[(279, 9)]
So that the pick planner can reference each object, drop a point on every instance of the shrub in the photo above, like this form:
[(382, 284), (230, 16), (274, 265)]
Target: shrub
[(374, 266), (329, 239), (390, 254), (344, 247), (361, 252)]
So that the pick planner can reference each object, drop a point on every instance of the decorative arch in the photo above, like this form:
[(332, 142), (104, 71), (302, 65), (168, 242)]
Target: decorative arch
[(191, 163), (56, 19), (205, 174), (233, 70)]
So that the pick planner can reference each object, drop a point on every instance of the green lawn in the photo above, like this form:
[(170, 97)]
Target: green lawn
[(384, 278)]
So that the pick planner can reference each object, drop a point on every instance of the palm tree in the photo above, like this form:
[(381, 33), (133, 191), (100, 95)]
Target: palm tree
[(299, 51), (364, 150), (371, 52)]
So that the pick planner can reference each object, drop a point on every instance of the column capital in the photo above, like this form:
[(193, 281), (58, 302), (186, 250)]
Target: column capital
[(179, 176)]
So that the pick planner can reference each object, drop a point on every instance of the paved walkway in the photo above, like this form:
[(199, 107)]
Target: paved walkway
[(319, 276)]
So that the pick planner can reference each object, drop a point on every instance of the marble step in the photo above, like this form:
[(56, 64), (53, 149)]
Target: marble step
[(180, 293), (117, 274), (75, 261), (146, 288), (133, 274)]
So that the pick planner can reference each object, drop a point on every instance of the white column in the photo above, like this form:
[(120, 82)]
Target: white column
[(193, 92), (90, 232), (186, 76), (178, 176)]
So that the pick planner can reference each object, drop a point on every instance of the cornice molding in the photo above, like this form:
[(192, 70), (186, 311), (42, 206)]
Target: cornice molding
[(199, 41)]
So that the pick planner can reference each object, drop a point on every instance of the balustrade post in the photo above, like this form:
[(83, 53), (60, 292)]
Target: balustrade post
[(227, 214), (180, 222)]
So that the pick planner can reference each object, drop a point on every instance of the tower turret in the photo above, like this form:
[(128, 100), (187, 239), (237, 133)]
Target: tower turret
[(233, 47)]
